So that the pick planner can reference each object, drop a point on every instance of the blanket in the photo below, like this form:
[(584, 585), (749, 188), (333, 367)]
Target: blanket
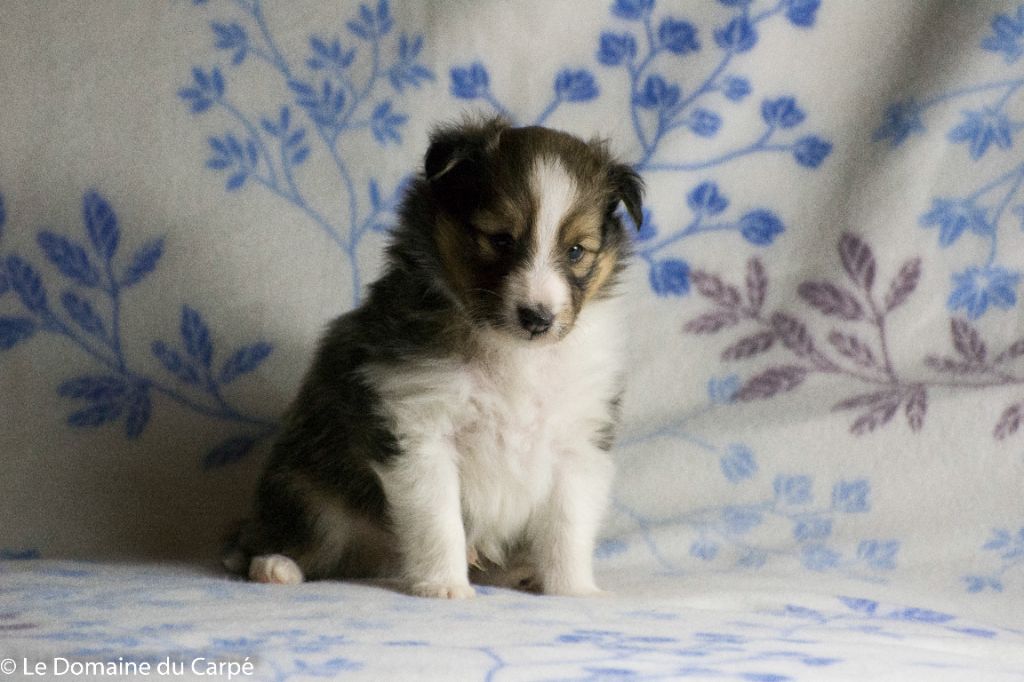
[(822, 426)]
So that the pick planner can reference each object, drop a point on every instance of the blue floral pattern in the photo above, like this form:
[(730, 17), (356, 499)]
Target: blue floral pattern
[(336, 630), (660, 112), (1008, 547), (117, 391), (727, 536), (326, 103), (974, 217), (825, 352)]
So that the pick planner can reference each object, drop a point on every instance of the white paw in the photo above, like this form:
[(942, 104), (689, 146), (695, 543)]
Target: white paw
[(442, 591), (275, 568)]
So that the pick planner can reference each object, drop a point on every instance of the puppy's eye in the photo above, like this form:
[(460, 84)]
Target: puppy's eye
[(502, 241), (575, 254)]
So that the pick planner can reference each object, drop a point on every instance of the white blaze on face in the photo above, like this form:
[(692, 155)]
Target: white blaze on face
[(556, 191)]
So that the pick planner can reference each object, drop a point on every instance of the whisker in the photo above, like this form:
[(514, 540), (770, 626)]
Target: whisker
[(487, 291)]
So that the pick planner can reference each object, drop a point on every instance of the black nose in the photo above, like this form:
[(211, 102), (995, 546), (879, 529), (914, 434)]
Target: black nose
[(535, 320)]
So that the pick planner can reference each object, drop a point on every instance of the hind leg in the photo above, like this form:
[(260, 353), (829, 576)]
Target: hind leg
[(516, 576), (340, 544), (275, 568)]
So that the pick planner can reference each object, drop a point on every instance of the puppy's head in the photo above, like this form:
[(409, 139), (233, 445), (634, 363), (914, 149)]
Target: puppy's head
[(526, 227)]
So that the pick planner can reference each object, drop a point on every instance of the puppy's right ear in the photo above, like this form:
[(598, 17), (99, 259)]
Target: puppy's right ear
[(455, 164)]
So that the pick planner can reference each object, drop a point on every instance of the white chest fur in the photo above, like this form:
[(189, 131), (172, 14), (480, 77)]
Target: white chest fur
[(508, 419)]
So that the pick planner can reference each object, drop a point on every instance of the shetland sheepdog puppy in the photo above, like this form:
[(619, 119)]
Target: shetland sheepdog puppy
[(458, 422)]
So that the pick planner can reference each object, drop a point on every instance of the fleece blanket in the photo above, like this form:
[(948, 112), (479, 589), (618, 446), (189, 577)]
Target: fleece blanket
[(821, 464)]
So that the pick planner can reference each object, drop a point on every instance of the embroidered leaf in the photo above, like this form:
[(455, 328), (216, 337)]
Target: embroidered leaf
[(632, 9), (575, 85), (243, 361), (749, 346), (917, 406), (616, 48), (14, 330), (96, 414), (705, 198), (670, 277), (139, 408), (867, 400), (101, 225), (1009, 422), (253, 152), (853, 348), (760, 227), (227, 452), (217, 80), (295, 138), (863, 605), (236, 181), (196, 335), (712, 287), (877, 416), (1015, 350), (757, 284), (782, 112), (704, 122), (27, 284), (709, 323), (105, 393), (922, 616), (1000, 539), (857, 259), (81, 311), (952, 365), (143, 262), (175, 364), (831, 300), (470, 82), (810, 150), (738, 462), (69, 257), (903, 284), (771, 382), (93, 388), (967, 341), (375, 200), (801, 12), (231, 37), (793, 334), (879, 554), (739, 35)]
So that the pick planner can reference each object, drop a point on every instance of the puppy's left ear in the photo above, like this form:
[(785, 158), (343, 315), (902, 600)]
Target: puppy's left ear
[(455, 165), (627, 187)]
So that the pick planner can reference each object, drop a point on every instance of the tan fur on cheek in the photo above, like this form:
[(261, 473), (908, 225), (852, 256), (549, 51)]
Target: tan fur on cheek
[(452, 245), (603, 270)]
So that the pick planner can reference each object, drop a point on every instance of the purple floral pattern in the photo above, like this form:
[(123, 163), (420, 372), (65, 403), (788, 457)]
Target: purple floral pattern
[(973, 365)]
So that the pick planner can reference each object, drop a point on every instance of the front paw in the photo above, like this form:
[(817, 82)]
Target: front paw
[(442, 591)]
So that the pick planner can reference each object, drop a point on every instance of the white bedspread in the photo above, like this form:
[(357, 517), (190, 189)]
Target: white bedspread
[(721, 627)]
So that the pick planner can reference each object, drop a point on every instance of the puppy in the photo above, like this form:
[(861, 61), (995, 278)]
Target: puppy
[(463, 414)]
